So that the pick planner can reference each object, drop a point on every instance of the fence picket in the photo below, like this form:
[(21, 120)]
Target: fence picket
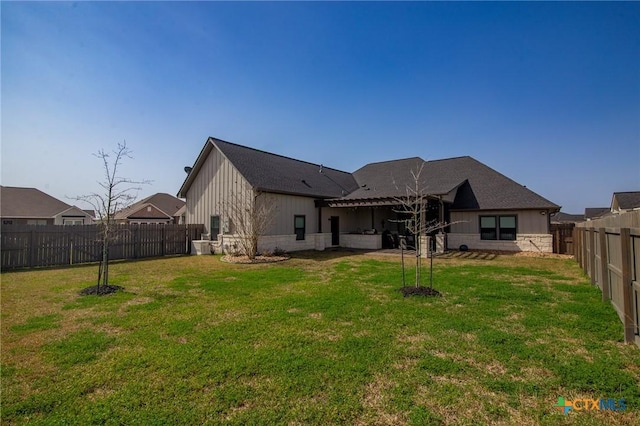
[(613, 264), (30, 246)]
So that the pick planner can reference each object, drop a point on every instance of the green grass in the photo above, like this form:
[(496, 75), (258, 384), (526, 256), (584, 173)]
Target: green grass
[(324, 338)]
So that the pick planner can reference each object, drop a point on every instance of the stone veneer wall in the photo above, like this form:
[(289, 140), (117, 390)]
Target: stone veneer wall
[(524, 242), (441, 240), (361, 241), (318, 241)]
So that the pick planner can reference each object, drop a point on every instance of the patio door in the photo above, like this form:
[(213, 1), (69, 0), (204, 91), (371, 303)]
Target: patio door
[(335, 230)]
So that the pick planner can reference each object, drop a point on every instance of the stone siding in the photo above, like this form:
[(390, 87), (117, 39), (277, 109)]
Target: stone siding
[(524, 242)]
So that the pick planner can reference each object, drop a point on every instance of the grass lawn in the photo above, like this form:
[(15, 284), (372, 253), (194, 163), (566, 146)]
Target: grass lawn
[(323, 338)]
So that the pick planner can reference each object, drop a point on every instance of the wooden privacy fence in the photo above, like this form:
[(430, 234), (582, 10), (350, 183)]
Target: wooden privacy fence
[(562, 237), (30, 246), (610, 256)]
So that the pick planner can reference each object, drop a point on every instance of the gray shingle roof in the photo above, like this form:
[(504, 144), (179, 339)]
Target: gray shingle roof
[(478, 186), (275, 173), (475, 185), (562, 217), (17, 202), (627, 200), (593, 212)]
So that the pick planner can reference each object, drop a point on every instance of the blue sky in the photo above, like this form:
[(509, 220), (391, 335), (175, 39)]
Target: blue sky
[(546, 93)]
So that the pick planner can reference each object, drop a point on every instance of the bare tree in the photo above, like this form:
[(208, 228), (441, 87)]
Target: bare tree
[(251, 213), (116, 194), (413, 205)]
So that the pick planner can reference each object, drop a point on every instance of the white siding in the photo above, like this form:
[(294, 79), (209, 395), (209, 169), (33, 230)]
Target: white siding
[(217, 181), (286, 208)]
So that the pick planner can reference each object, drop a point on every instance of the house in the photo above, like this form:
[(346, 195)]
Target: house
[(156, 209), (562, 218), (623, 202), (591, 213), (30, 206), (318, 207)]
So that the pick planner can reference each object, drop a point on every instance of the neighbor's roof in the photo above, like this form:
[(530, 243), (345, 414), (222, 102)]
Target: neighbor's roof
[(627, 200), (166, 203), (475, 185), (17, 202), (593, 212), (562, 217), (275, 173)]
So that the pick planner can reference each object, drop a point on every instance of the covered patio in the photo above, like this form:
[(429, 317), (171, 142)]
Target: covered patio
[(382, 223)]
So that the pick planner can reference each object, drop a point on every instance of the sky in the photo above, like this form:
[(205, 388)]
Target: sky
[(546, 93)]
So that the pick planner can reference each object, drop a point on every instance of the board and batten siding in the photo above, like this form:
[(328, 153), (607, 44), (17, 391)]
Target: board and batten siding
[(286, 208), (216, 181), (529, 221)]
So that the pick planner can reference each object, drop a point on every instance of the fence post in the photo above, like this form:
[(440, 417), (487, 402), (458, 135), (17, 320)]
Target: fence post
[(136, 242), (592, 255), (625, 249), (604, 264), (163, 235), (585, 258), (32, 248), (581, 237)]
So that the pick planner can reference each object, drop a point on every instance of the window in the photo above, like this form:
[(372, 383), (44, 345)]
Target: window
[(299, 225), (488, 228), (498, 227), (507, 227), (72, 222), (215, 227)]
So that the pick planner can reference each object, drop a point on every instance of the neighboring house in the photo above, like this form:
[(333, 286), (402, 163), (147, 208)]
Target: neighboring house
[(591, 213), (318, 207), (180, 214), (561, 217), (623, 202), (30, 206), (159, 208)]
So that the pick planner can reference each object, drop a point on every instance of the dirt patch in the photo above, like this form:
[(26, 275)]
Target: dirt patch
[(258, 259), (492, 254), (100, 290), (419, 291)]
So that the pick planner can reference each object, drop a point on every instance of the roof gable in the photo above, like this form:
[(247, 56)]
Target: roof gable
[(390, 179), (487, 189), (164, 205), (626, 200), (20, 202), (476, 186), (74, 211), (147, 211)]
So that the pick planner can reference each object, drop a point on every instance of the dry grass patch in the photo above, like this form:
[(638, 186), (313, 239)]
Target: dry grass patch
[(194, 341), (376, 402)]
